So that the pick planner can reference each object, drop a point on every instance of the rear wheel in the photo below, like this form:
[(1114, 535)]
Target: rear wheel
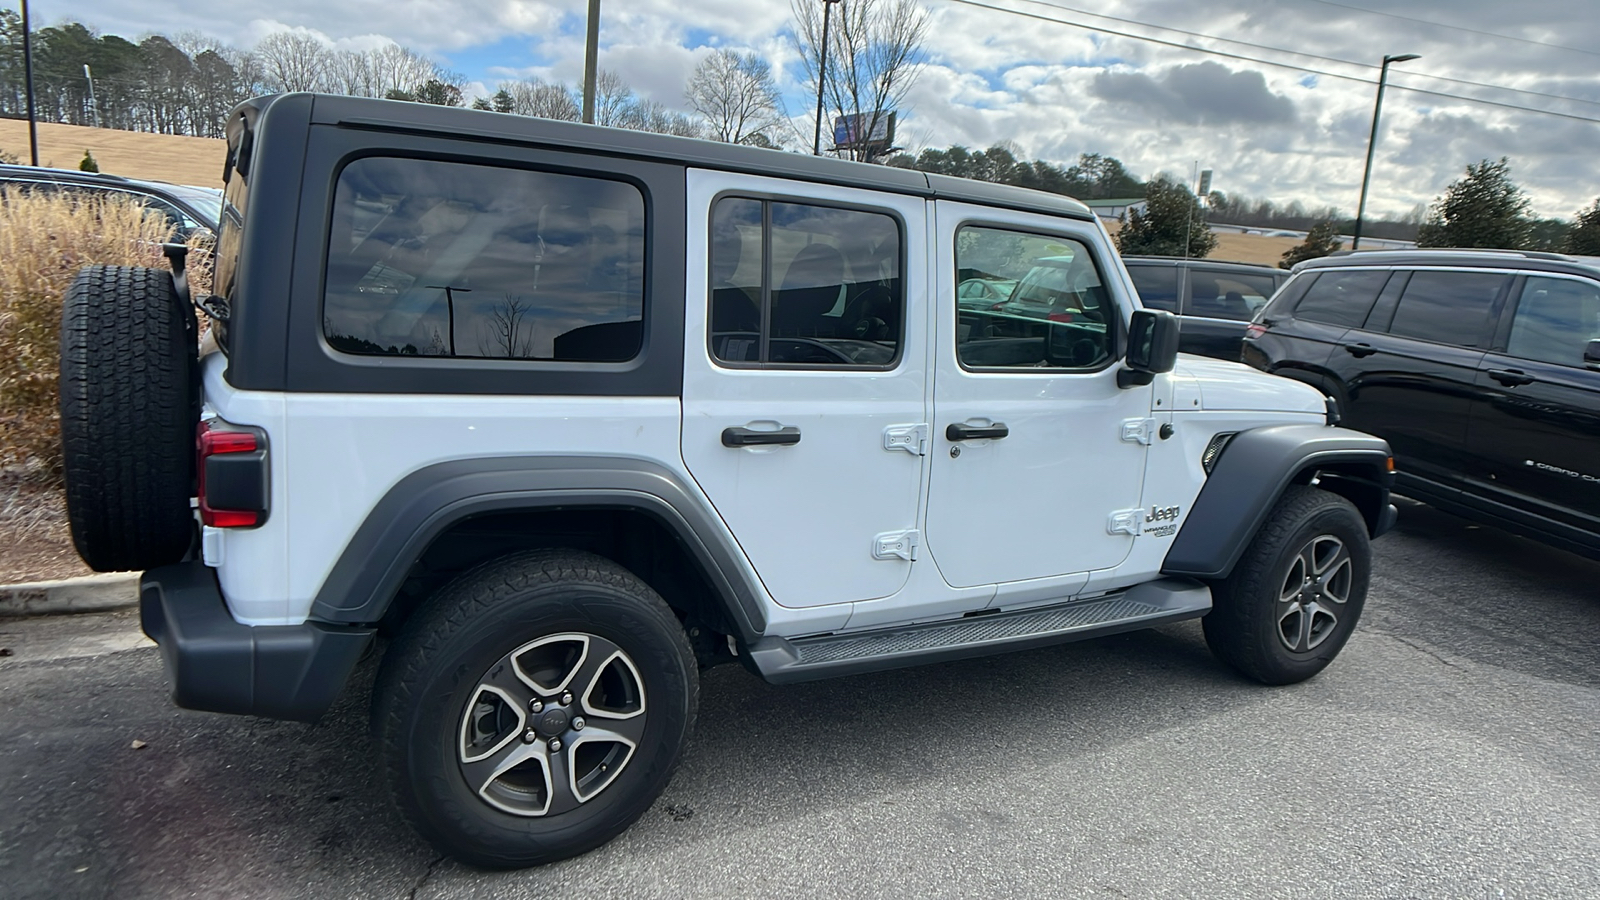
[(534, 709), (1295, 595), (129, 407)]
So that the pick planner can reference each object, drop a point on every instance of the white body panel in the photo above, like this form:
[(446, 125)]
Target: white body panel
[(806, 514), (333, 456)]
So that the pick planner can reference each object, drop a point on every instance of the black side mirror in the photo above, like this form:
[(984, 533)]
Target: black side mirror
[(1152, 347), (1591, 354)]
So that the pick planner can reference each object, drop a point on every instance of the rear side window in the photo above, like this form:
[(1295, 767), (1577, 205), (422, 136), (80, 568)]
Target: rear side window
[(1157, 286), (1220, 294), (1556, 319), (1448, 307), (430, 258), (794, 284), (1342, 298)]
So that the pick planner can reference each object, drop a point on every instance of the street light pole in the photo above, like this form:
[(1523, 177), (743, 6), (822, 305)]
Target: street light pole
[(27, 68), (591, 60), (1372, 140), (822, 77)]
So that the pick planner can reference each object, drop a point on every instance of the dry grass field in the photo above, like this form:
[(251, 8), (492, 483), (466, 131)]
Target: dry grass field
[(157, 157)]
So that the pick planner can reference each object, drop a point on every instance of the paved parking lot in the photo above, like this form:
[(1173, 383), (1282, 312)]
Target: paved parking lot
[(1452, 751)]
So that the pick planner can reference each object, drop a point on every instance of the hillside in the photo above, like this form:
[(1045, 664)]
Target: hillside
[(157, 157)]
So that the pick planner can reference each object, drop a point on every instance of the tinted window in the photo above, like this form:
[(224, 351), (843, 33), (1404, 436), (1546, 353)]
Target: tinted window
[(1342, 298), (1555, 319), (448, 259), (1447, 307), (1227, 295), (1157, 286), (795, 284), (1058, 316)]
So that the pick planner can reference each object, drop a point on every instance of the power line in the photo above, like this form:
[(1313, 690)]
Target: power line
[(1302, 53), (1493, 34), (1268, 62)]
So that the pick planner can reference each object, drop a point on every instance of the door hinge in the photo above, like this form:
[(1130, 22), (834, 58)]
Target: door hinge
[(1126, 521), (896, 545), (1138, 431), (913, 439)]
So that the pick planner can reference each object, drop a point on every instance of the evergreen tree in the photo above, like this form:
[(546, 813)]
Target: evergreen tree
[(1484, 209), (503, 102), (1322, 240), (1584, 238), (88, 164), (1171, 212)]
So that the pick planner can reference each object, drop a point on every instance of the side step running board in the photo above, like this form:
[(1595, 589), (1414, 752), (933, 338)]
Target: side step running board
[(783, 661)]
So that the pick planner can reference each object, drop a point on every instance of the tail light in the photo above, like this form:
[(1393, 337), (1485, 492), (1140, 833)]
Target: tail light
[(1254, 330), (231, 474), (1059, 317)]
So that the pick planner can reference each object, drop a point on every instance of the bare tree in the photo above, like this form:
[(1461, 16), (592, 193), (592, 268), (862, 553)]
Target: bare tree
[(874, 57), (614, 101), (508, 333), (547, 100), (293, 61), (737, 96), (648, 115)]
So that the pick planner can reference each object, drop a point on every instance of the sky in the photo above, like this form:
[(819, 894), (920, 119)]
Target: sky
[(1057, 81)]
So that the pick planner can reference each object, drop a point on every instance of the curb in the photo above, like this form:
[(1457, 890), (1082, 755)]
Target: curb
[(89, 593)]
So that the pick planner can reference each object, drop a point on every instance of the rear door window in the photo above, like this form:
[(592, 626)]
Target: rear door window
[(1157, 286), (1342, 298), (1448, 307)]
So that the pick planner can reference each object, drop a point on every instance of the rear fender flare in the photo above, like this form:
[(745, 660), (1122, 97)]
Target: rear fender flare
[(429, 501)]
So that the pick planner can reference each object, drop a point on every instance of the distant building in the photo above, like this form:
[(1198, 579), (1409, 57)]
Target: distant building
[(1114, 209)]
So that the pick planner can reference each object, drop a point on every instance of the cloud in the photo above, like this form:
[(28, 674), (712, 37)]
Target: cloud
[(1202, 93)]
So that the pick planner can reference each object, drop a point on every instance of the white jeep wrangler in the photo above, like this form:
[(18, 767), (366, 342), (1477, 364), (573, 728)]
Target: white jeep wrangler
[(571, 413)]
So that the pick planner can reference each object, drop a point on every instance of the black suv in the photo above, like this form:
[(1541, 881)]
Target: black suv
[(1481, 368), (186, 208), (1216, 299)]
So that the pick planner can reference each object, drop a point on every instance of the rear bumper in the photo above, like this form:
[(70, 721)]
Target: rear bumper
[(218, 665)]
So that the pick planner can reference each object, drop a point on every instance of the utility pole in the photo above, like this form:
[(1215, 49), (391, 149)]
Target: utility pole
[(27, 68), (94, 108), (1188, 221), (1372, 140), (822, 76), (591, 60)]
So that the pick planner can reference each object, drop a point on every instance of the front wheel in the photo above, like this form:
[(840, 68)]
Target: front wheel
[(1294, 597), (534, 709)]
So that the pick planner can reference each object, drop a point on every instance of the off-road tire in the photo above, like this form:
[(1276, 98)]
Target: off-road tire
[(128, 415), (1246, 623), (432, 672)]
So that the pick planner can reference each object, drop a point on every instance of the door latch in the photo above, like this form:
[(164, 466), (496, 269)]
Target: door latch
[(896, 545), (913, 439)]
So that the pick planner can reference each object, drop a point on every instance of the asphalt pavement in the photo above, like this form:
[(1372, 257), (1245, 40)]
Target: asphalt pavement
[(1451, 751)]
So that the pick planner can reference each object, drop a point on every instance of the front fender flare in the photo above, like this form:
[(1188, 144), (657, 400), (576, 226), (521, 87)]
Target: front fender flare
[(1252, 473)]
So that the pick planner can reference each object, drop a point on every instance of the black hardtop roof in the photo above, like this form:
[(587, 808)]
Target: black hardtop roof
[(1536, 260), (1202, 261), (395, 115)]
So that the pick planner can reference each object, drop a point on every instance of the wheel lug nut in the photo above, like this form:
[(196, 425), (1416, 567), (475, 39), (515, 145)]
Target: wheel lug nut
[(530, 736), (536, 706), (566, 698), (555, 744), (577, 723)]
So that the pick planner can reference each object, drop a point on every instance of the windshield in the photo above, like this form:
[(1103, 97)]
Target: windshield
[(205, 201)]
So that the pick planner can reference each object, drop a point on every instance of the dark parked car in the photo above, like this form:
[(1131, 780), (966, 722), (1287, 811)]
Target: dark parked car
[(1214, 298), (186, 207), (1481, 368)]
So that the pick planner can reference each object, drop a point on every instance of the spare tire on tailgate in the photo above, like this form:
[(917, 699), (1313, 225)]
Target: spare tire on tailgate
[(129, 408)]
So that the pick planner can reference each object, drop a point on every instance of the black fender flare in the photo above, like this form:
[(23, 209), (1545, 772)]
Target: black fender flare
[(1252, 473), (427, 502)]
